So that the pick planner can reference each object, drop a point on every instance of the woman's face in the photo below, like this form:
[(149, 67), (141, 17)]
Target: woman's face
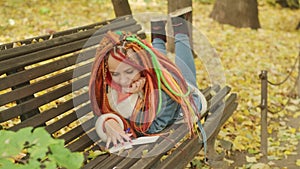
[(122, 73)]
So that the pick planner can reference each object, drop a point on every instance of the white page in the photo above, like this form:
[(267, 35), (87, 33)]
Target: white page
[(137, 141)]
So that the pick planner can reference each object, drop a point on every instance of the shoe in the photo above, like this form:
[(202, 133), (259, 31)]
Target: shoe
[(158, 28), (179, 20)]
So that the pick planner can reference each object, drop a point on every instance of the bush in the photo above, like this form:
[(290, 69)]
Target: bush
[(35, 148)]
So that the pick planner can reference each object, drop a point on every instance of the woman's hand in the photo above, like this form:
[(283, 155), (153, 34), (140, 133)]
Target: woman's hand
[(136, 86), (115, 133)]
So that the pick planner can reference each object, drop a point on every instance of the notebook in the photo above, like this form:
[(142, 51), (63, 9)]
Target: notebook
[(137, 141)]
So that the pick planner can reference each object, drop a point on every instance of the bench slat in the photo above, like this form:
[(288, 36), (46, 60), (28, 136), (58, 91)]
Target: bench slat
[(41, 118), (61, 41), (83, 142), (126, 163), (95, 161), (179, 158), (57, 34), (78, 131), (219, 97), (110, 162), (48, 53), (162, 147), (30, 74), (41, 85), (66, 120), (41, 100)]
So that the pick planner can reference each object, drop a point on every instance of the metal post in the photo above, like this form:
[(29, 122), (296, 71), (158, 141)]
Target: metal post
[(264, 110), (298, 78)]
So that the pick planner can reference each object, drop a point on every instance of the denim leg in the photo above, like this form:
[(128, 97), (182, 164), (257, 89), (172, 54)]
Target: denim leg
[(184, 58), (160, 45)]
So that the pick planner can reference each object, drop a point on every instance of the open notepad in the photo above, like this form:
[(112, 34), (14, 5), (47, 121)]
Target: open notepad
[(137, 141)]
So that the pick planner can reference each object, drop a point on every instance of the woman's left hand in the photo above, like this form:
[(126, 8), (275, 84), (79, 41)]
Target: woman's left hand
[(115, 133), (136, 86)]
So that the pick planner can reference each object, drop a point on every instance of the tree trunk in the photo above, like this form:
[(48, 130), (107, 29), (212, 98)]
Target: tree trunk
[(173, 5), (239, 13), (121, 7)]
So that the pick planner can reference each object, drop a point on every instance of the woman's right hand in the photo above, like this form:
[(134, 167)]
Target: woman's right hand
[(115, 133), (136, 86)]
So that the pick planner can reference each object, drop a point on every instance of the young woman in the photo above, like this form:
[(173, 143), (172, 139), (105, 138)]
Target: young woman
[(135, 90)]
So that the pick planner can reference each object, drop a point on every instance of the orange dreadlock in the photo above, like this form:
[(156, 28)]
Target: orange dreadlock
[(174, 80)]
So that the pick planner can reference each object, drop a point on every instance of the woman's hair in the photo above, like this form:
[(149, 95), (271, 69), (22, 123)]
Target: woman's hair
[(160, 73)]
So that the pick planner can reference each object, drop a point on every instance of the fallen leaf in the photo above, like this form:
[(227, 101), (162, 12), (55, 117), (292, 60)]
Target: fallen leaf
[(260, 166), (251, 159)]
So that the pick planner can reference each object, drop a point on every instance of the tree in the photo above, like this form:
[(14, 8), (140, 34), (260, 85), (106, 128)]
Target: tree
[(121, 7), (239, 13)]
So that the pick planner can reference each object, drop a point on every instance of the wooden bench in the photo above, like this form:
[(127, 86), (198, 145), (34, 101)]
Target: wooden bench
[(38, 87)]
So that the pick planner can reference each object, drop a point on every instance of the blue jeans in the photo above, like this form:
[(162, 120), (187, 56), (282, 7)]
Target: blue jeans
[(184, 58)]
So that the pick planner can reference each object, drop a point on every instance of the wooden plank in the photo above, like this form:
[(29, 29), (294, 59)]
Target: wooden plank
[(49, 114), (132, 155), (91, 164), (66, 120), (41, 85), (182, 155), (110, 162), (64, 32), (41, 100), (83, 142), (190, 148), (77, 131), (152, 162), (35, 57), (35, 87), (43, 117), (219, 96), (127, 162), (180, 159), (74, 134), (165, 145), (230, 106), (27, 75), (63, 122), (15, 52), (57, 34)]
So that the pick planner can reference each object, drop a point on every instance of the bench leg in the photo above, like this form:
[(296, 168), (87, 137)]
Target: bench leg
[(215, 160), (211, 151), (213, 126)]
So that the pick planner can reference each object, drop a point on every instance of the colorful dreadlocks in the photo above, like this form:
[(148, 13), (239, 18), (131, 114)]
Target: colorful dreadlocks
[(160, 73)]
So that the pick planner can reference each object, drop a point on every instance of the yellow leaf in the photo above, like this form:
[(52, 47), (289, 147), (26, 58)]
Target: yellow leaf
[(270, 130), (298, 162), (293, 130), (144, 152), (260, 166), (251, 159), (287, 152), (296, 115)]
